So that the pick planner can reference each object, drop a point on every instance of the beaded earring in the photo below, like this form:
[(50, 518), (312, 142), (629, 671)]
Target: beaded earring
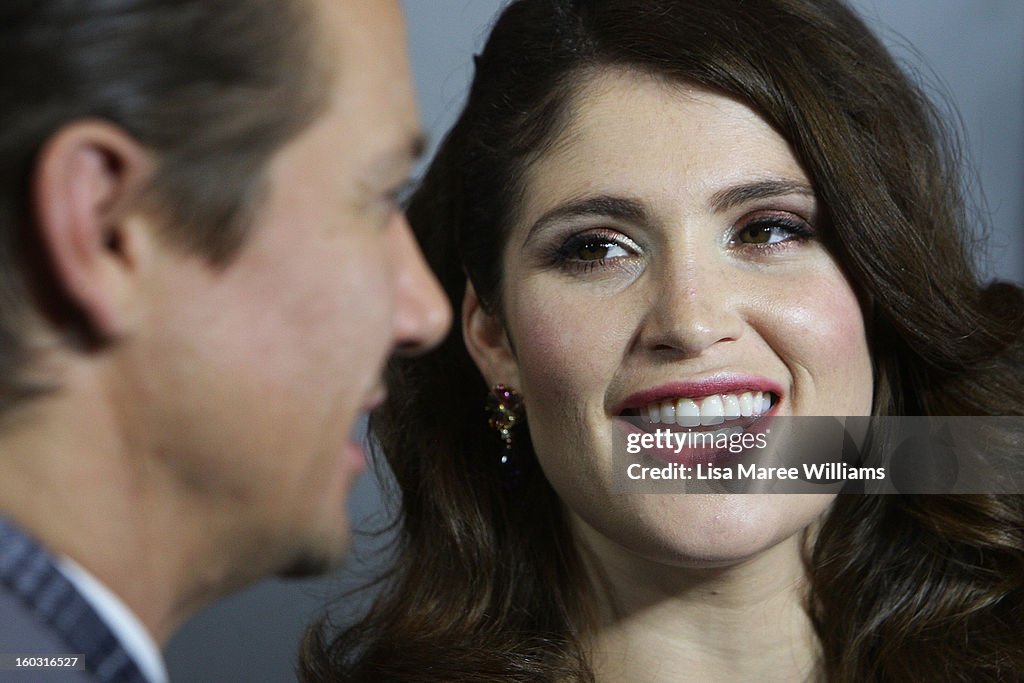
[(505, 410)]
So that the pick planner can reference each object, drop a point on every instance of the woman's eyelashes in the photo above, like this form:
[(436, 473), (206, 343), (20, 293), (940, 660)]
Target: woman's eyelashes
[(585, 251), (760, 234), (770, 232)]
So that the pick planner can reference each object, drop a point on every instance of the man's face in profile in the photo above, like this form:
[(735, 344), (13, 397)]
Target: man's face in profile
[(274, 357)]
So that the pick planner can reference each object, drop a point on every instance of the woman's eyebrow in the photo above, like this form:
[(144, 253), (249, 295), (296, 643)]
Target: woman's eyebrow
[(760, 189), (607, 206), (628, 209)]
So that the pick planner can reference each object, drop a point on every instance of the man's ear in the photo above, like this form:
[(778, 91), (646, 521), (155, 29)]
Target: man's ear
[(87, 176), (487, 342)]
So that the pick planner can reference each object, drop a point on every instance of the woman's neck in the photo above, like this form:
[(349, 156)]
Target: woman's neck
[(741, 622)]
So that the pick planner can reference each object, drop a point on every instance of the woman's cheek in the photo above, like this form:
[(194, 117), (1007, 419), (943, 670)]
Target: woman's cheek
[(819, 328), (564, 344), (551, 346), (566, 361)]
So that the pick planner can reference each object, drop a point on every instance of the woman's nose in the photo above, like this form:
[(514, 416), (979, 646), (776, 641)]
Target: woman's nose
[(695, 304)]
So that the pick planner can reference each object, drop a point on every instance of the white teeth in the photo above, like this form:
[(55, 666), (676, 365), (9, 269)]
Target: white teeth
[(712, 412), (746, 404), (731, 406), (687, 413)]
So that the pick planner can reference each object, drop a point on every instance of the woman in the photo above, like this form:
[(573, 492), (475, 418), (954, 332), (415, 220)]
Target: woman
[(659, 207)]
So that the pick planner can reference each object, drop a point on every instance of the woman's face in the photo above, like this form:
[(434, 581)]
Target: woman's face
[(668, 251)]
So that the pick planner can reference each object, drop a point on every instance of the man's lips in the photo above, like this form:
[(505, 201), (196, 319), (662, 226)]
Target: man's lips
[(375, 401), (357, 434)]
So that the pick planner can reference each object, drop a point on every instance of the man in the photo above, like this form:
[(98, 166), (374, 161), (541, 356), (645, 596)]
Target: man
[(202, 273)]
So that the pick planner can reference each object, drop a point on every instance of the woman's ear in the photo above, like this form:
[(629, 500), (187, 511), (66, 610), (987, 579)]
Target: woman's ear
[(487, 342)]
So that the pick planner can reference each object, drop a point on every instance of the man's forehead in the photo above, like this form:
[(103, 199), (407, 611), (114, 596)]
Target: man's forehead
[(364, 47), (359, 26), (370, 105)]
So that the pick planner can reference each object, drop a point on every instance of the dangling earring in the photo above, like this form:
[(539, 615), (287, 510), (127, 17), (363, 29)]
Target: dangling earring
[(505, 407)]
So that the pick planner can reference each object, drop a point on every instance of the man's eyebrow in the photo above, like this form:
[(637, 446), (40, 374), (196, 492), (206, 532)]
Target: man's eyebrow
[(606, 206), (761, 189)]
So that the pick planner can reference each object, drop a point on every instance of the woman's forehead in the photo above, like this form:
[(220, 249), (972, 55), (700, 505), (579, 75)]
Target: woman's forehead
[(634, 135)]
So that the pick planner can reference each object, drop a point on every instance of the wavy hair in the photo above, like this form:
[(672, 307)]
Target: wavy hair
[(487, 583)]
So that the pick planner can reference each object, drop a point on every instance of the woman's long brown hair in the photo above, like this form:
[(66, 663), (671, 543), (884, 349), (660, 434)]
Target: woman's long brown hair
[(487, 584)]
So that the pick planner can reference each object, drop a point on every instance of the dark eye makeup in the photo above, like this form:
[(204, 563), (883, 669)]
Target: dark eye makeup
[(759, 234), (772, 231), (584, 251)]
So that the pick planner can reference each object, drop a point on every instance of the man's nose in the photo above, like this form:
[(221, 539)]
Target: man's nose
[(422, 314)]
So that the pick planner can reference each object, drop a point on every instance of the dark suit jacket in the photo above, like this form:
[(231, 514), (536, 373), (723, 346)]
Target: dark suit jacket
[(41, 613)]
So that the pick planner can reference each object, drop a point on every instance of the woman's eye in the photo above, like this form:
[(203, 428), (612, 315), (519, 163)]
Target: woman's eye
[(766, 232), (588, 250), (597, 250)]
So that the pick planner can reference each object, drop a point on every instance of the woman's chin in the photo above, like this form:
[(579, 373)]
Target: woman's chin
[(702, 530)]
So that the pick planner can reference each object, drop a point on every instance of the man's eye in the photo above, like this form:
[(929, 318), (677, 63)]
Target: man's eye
[(399, 195)]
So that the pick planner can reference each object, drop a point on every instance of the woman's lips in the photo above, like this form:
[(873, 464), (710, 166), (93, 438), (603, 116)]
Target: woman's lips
[(699, 391), (695, 419)]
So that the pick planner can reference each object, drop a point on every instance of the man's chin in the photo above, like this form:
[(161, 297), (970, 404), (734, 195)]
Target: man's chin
[(315, 562)]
